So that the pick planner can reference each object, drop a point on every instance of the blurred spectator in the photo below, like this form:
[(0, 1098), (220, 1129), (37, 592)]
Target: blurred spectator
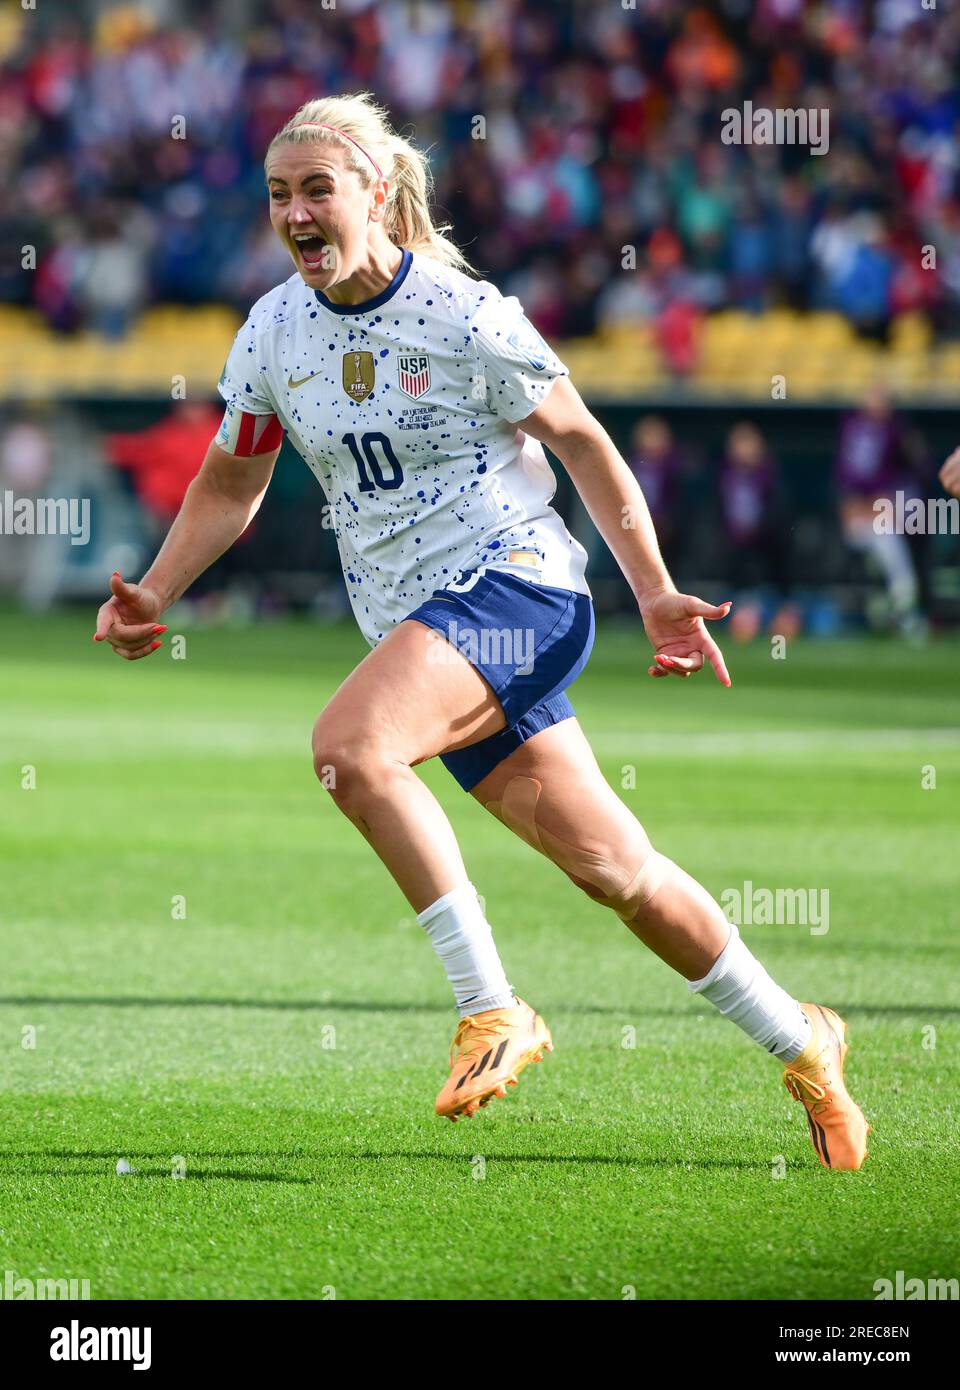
[(756, 530), (165, 458), (870, 454), (677, 335), (26, 454), (658, 466), (856, 270), (52, 453), (110, 271), (26, 457), (791, 225), (872, 463)]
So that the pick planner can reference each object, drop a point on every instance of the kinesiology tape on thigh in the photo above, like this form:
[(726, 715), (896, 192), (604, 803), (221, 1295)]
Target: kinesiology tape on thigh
[(624, 886)]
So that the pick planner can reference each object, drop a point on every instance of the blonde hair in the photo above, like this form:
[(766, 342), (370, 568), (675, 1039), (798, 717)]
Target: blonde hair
[(361, 119)]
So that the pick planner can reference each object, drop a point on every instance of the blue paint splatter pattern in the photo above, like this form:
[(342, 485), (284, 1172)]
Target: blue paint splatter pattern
[(422, 462)]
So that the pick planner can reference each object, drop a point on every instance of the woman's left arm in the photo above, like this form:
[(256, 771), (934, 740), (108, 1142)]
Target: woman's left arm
[(615, 501)]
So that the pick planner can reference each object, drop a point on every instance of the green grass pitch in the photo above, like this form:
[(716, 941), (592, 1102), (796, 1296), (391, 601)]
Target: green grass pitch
[(287, 1036)]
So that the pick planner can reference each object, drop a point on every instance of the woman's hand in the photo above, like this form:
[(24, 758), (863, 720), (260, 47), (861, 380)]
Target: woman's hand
[(674, 624), (128, 620), (950, 473)]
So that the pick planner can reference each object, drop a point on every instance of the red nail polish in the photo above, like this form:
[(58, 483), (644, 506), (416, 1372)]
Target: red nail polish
[(160, 627), (155, 645), (115, 575)]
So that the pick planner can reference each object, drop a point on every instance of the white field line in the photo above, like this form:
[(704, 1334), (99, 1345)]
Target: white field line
[(95, 739), (795, 743), (89, 739)]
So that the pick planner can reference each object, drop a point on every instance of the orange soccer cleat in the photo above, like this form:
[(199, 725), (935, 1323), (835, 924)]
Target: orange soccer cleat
[(488, 1053), (837, 1124)]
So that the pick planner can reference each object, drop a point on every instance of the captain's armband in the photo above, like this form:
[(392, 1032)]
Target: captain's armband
[(244, 434)]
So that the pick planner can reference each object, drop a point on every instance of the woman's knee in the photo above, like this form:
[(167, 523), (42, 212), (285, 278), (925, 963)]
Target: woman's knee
[(350, 763), (595, 839)]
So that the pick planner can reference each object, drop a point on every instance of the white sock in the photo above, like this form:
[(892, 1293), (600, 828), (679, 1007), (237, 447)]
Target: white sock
[(463, 940), (743, 992)]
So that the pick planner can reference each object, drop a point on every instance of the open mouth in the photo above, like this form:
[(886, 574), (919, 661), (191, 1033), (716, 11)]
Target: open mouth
[(311, 251)]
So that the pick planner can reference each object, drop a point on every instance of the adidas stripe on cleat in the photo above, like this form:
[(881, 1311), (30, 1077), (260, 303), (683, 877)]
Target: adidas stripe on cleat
[(488, 1053), (838, 1128)]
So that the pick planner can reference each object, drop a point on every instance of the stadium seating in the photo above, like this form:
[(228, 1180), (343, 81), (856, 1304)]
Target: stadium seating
[(819, 355)]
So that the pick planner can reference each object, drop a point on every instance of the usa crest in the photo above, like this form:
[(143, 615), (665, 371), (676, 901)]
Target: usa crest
[(413, 375), (359, 374)]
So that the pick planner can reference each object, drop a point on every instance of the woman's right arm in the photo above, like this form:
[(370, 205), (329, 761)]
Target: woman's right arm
[(218, 506)]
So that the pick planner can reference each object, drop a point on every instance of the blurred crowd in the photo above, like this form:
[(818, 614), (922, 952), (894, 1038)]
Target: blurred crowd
[(601, 130), (788, 527), (754, 523)]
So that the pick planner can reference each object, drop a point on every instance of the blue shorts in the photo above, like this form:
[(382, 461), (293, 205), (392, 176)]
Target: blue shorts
[(529, 642)]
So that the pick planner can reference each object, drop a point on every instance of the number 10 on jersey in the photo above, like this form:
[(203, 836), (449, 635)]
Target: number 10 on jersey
[(371, 455)]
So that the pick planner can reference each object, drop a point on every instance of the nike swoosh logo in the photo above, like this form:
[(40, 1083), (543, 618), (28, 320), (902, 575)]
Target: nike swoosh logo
[(303, 380)]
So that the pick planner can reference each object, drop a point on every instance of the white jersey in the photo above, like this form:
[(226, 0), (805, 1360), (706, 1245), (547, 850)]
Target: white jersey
[(405, 407)]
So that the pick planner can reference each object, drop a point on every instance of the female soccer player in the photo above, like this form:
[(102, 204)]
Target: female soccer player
[(420, 398)]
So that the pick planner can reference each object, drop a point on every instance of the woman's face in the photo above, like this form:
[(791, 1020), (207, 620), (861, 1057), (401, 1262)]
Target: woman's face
[(745, 446), (320, 210)]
